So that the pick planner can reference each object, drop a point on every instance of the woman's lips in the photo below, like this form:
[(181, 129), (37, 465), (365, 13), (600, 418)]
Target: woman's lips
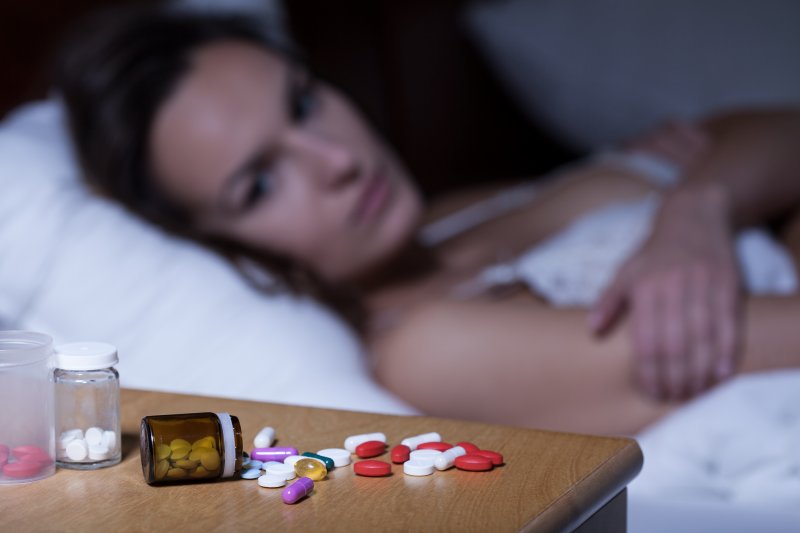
[(373, 198)]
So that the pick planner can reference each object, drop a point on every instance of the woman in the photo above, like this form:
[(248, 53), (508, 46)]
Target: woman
[(203, 126)]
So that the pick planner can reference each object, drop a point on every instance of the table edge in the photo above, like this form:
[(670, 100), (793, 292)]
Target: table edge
[(592, 492)]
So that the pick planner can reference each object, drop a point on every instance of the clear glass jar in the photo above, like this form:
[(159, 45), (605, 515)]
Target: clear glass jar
[(27, 442), (87, 406), (190, 447)]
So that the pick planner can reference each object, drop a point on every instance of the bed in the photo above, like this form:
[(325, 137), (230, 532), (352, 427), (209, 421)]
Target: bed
[(597, 72), (727, 461)]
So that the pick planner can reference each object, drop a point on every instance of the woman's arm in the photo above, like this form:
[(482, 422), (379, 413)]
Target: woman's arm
[(514, 362), (521, 363), (754, 162), (683, 286)]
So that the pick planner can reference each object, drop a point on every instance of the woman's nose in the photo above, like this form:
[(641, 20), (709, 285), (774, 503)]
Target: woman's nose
[(331, 162)]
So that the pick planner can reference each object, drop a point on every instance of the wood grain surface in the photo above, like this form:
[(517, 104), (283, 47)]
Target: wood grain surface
[(551, 481)]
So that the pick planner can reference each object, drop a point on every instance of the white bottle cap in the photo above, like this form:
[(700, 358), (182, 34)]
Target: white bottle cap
[(228, 444), (86, 356)]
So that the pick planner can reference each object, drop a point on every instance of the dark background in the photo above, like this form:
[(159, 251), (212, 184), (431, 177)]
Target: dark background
[(408, 64)]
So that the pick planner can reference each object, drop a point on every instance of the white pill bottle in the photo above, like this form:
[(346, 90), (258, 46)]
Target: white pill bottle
[(87, 405)]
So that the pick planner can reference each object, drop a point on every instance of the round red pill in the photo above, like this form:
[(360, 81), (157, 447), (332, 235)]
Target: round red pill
[(35, 458), (21, 451), (4, 449), (371, 448), (401, 453), (3, 459), (468, 447), (372, 468), (438, 446), (32, 454), (494, 457), (21, 470), (473, 463)]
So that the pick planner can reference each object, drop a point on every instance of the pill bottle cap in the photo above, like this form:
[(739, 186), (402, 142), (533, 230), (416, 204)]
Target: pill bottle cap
[(86, 356)]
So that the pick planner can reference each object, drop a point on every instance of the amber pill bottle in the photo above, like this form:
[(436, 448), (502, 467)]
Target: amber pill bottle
[(189, 447)]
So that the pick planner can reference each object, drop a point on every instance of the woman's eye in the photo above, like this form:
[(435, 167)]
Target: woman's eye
[(303, 101), (259, 188)]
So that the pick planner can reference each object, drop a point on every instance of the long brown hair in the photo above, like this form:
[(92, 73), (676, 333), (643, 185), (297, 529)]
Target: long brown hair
[(113, 73)]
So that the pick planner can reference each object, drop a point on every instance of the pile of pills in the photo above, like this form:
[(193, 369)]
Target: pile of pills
[(94, 444), (22, 462), (182, 459), (420, 455), (283, 464)]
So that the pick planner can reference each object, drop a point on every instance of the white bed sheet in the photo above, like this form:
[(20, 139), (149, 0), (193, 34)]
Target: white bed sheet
[(727, 461)]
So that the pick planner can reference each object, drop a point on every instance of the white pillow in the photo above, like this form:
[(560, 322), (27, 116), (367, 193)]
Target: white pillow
[(600, 71), (81, 268)]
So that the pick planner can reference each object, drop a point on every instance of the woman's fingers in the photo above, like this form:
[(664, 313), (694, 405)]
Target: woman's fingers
[(646, 341), (609, 307), (678, 141), (696, 138), (727, 322), (674, 359), (701, 333), (684, 140), (684, 331)]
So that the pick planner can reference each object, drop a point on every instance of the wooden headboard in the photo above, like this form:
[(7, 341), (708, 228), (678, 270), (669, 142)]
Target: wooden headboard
[(408, 64)]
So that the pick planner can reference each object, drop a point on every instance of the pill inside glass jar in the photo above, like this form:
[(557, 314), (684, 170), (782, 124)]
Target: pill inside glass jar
[(190, 447), (87, 405)]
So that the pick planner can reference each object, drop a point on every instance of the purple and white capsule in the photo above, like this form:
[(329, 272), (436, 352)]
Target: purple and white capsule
[(272, 454)]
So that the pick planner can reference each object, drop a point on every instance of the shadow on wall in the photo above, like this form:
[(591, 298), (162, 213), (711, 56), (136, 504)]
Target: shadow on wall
[(598, 72)]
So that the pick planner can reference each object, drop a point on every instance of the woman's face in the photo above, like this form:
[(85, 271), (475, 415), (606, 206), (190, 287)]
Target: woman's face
[(260, 155)]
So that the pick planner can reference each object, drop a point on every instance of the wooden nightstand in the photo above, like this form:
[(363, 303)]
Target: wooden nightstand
[(550, 482)]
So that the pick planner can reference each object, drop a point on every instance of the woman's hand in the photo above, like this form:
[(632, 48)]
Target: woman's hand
[(679, 142), (683, 290), (682, 287)]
